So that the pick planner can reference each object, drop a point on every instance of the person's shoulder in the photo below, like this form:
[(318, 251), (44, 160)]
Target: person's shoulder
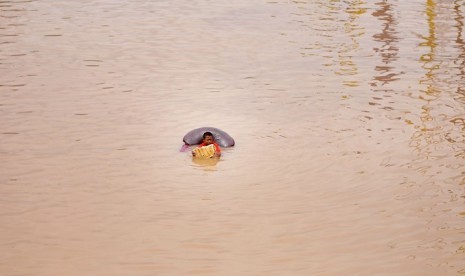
[(218, 148)]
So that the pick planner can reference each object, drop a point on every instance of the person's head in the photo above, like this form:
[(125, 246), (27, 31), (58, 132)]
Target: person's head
[(208, 138)]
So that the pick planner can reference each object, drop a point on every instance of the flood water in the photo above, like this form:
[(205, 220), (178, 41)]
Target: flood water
[(348, 116)]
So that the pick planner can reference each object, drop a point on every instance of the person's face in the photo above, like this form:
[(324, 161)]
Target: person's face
[(208, 140)]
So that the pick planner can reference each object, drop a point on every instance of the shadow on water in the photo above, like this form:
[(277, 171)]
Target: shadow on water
[(388, 50)]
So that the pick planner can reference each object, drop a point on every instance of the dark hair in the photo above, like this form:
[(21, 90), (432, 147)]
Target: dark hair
[(208, 133)]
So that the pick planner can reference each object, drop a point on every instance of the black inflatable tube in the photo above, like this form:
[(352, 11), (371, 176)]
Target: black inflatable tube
[(195, 137)]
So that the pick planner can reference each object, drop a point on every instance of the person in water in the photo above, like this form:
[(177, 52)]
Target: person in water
[(208, 139)]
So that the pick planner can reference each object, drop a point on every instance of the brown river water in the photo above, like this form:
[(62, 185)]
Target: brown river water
[(348, 116)]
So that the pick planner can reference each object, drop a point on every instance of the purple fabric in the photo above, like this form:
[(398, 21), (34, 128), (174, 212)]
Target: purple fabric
[(194, 137), (184, 148)]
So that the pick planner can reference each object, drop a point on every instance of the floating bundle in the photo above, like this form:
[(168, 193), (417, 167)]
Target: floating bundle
[(206, 151)]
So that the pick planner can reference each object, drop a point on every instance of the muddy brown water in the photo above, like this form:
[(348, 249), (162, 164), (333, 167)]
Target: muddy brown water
[(349, 118)]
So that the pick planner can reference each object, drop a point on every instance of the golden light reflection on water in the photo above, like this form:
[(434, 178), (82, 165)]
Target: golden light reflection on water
[(348, 118), (206, 163)]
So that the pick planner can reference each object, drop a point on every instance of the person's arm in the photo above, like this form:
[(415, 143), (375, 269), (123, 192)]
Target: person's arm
[(217, 151)]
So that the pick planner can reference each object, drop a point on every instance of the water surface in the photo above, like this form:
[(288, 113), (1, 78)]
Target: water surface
[(349, 119)]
